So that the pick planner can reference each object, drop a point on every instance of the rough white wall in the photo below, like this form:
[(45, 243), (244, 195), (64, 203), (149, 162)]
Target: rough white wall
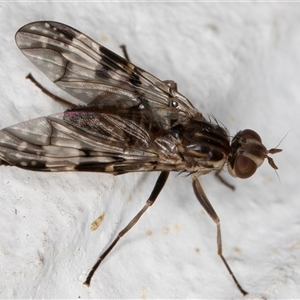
[(237, 61)]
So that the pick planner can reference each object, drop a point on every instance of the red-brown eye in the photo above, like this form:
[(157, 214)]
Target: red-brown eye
[(250, 134), (244, 167)]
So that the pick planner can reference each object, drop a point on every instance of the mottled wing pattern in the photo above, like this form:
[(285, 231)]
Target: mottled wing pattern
[(91, 72), (125, 125)]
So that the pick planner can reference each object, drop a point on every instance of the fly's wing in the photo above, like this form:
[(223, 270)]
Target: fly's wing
[(92, 73), (126, 124), (90, 139)]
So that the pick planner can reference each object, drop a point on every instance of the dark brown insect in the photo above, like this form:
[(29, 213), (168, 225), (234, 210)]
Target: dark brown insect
[(130, 122)]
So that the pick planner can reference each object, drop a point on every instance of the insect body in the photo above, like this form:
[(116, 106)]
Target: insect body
[(130, 122)]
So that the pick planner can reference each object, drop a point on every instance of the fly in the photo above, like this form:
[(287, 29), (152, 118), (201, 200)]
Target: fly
[(130, 121)]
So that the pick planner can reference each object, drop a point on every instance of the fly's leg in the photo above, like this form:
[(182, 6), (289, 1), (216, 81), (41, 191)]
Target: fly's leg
[(48, 93), (125, 53), (198, 190), (218, 175), (156, 190)]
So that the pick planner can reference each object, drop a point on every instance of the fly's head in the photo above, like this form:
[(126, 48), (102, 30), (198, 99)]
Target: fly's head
[(248, 153)]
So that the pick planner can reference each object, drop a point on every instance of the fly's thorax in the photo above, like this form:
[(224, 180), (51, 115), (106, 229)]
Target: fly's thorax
[(204, 146)]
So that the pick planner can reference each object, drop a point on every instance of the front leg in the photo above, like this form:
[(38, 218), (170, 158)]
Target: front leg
[(198, 190)]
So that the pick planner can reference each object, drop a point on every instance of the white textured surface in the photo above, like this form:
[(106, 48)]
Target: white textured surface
[(239, 62)]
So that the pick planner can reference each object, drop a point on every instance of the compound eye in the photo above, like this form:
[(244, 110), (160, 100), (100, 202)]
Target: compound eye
[(250, 134), (244, 167)]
